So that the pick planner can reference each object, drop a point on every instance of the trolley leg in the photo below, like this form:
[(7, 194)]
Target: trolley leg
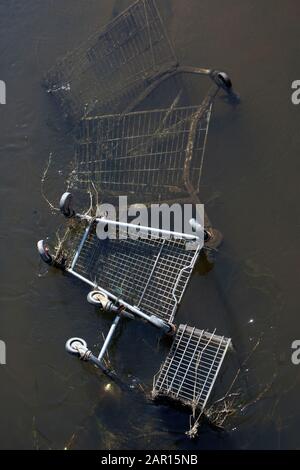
[(109, 373), (109, 337), (78, 347)]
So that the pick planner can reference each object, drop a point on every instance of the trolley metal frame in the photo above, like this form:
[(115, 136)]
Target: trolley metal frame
[(158, 259), (161, 262)]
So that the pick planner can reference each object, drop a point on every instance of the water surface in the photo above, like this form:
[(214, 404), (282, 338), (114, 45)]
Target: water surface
[(250, 186)]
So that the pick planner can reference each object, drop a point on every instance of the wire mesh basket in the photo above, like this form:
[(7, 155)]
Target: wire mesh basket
[(106, 73), (149, 273), (155, 153), (190, 369)]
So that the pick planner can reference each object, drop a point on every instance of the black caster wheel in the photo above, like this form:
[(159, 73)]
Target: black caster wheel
[(65, 205), (44, 252), (222, 80), (172, 331)]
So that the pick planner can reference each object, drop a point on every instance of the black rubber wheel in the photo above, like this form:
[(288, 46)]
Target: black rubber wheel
[(222, 80), (44, 252), (172, 331), (65, 205)]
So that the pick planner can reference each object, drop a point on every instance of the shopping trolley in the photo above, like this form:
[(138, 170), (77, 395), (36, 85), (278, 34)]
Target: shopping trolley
[(143, 269), (143, 274), (116, 68)]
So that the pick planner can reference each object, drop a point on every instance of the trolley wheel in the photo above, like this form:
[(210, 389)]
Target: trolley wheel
[(65, 205), (74, 344), (95, 297), (44, 252), (223, 80), (172, 331), (214, 238)]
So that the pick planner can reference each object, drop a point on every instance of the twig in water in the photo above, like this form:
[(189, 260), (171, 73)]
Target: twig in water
[(45, 173)]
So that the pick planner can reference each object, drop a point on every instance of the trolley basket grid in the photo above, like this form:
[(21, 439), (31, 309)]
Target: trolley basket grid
[(190, 370), (148, 273), (115, 65), (143, 152)]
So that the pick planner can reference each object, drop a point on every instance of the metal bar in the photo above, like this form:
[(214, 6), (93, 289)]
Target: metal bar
[(139, 227), (172, 359), (211, 366), (86, 232), (165, 32), (94, 360), (216, 374), (149, 33), (155, 321), (193, 70), (170, 71), (109, 337), (190, 267), (204, 143), (190, 362), (181, 359), (151, 274)]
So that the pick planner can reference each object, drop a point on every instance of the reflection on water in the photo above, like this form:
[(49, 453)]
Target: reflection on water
[(250, 294)]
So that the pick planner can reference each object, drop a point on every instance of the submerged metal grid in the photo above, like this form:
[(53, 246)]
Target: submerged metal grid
[(108, 72), (191, 367), (156, 152), (151, 274)]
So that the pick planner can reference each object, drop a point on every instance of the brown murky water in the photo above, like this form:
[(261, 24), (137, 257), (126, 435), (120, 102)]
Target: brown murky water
[(250, 186)]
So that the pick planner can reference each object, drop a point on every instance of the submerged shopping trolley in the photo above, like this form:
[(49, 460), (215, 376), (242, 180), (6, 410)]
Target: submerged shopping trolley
[(148, 154), (116, 68), (141, 272)]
